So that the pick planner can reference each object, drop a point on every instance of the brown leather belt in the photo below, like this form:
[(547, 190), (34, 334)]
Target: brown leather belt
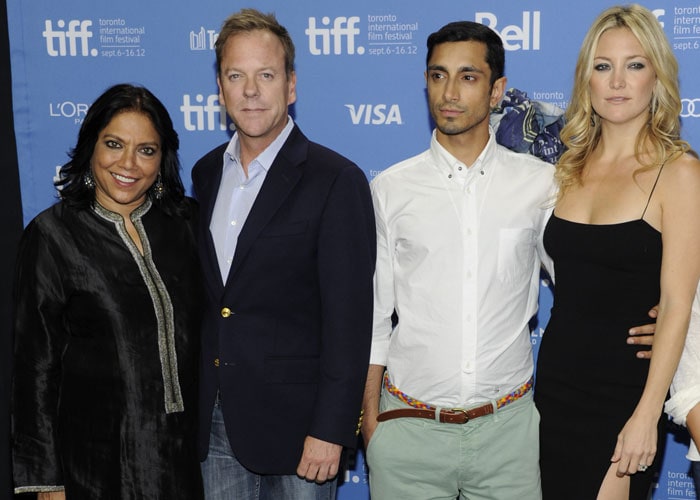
[(446, 416)]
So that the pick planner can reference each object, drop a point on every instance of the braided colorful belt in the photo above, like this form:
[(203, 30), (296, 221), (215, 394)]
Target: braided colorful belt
[(508, 398)]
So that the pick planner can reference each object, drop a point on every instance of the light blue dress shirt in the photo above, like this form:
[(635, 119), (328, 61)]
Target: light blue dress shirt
[(237, 194)]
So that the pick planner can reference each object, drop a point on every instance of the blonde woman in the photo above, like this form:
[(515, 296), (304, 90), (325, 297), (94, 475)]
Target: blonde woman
[(625, 234)]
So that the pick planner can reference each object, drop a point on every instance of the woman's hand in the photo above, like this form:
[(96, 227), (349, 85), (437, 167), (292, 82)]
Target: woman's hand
[(51, 495), (636, 445)]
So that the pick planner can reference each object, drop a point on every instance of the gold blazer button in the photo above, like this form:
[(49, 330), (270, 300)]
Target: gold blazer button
[(216, 362), (226, 312)]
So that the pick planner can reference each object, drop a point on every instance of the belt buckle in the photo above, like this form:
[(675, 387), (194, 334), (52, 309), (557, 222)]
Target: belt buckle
[(463, 411)]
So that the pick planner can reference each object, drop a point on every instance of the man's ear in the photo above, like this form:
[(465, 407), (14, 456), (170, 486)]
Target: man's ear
[(497, 90)]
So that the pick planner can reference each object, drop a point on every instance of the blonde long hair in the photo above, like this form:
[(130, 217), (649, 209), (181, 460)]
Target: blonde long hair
[(660, 139)]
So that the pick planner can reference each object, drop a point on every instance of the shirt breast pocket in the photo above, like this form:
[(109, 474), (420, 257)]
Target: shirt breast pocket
[(516, 252)]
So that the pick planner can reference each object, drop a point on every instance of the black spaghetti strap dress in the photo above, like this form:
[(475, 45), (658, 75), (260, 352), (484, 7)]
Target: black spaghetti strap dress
[(588, 380)]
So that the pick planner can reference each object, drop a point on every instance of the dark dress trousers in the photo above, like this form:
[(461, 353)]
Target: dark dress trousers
[(286, 338)]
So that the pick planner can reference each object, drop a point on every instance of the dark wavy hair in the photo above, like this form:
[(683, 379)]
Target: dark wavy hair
[(469, 31), (118, 99)]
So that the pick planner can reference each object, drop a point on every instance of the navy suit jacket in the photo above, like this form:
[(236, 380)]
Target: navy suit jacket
[(286, 338)]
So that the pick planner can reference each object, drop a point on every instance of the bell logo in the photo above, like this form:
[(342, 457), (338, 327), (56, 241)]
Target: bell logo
[(56, 38), (375, 114), (525, 37), (343, 28)]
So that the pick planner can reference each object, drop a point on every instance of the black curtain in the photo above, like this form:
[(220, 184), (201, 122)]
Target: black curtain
[(11, 224)]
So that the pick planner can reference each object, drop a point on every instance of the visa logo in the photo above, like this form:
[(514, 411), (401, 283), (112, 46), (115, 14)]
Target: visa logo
[(375, 114)]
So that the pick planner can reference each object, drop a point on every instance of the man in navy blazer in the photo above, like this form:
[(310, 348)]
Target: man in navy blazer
[(288, 248)]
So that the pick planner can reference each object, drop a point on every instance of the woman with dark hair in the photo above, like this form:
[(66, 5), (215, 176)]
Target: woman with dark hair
[(75, 185), (107, 316)]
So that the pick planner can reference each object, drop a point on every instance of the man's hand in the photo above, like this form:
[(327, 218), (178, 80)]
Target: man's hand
[(370, 401), (644, 335), (320, 460), (369, 425)]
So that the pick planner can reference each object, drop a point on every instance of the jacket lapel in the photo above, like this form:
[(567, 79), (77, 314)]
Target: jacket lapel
[(210, 188)]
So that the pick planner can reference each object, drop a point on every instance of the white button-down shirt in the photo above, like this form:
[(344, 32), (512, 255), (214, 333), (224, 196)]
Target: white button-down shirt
[(459, 254)]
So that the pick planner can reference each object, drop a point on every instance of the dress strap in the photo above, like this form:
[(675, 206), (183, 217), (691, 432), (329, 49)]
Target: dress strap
[(652, 190)]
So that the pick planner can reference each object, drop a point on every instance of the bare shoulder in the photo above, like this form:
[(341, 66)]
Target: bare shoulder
[(678, 200), (683, 173), (686, 164)]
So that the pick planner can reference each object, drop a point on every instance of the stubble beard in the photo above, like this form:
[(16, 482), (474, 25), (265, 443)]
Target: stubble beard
[(450, 127)]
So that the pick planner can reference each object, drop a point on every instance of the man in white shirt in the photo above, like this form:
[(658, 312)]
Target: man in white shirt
[(459, 230)]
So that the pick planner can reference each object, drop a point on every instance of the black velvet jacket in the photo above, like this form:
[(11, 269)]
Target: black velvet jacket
[(106, 350)]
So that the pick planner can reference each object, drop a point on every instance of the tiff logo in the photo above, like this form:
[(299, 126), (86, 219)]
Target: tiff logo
[(374, 114), (195, 115), (77, 30), (344, 28), (203, 40), (659, 13)]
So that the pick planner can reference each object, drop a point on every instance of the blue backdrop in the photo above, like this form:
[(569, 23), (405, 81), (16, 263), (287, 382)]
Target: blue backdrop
[(360, 86)]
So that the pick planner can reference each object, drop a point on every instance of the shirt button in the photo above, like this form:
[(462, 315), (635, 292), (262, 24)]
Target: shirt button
[(468, 367), (226, 312), (233, 223)]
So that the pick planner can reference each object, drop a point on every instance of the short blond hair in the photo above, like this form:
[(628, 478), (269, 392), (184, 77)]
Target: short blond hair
[(247, 20)]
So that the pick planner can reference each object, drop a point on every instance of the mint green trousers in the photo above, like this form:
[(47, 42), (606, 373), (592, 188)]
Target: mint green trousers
[(495, 457)]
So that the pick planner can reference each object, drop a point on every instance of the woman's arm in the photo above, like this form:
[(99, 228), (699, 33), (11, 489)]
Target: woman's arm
[(679, 198), (39, 340)]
